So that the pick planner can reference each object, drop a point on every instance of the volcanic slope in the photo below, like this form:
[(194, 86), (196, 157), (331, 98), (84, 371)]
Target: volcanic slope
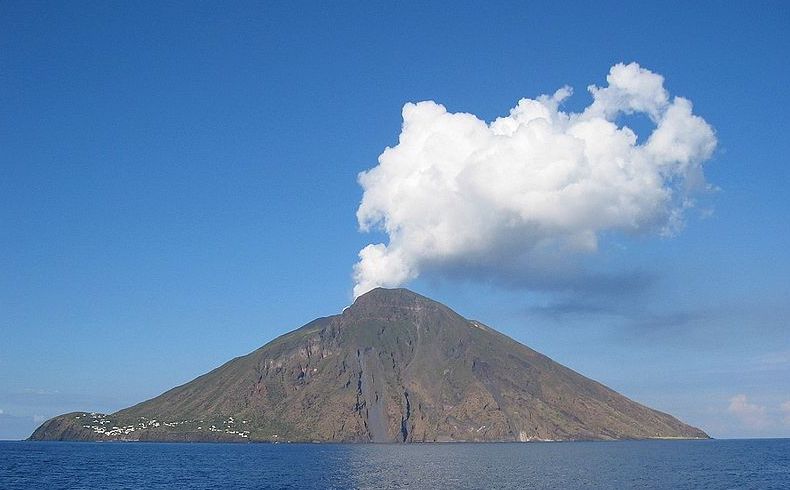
[(393, 367)]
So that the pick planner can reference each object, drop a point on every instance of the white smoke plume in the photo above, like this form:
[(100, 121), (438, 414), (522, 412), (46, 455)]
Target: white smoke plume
[(530, 188)]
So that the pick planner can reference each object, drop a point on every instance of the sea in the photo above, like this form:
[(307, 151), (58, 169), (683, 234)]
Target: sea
[(671, 464)]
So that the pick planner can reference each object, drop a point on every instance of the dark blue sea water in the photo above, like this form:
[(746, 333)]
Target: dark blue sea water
[(755, 464)]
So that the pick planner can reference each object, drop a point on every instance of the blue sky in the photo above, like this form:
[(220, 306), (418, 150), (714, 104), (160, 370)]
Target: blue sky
[(179, 186)]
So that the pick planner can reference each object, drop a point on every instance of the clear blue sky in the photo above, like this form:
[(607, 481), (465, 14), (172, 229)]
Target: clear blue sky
[(178, 187)]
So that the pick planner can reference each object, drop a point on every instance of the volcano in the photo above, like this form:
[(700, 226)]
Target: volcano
[(393, 367)]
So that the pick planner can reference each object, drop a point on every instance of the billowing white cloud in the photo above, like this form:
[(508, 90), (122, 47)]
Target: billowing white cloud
[(530, 189), (750, 414)]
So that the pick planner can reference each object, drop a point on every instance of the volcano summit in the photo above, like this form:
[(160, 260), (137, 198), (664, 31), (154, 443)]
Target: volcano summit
[(393, 367)]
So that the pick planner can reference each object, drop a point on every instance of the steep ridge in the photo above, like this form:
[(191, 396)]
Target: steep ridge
[(393, 367)]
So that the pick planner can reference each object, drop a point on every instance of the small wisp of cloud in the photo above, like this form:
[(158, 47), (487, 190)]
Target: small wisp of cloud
[(760, 418), (750, 414), (785, 408), (528, 191)]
